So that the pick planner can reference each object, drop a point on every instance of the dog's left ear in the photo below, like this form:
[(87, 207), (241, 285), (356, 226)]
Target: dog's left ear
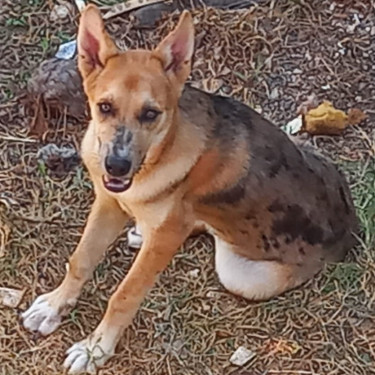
[(176, 50)]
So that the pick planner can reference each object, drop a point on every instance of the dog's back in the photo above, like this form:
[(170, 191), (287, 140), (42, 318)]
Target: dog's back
[(291, 198)]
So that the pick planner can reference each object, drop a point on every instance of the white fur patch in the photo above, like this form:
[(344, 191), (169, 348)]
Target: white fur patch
[(247, 278), (89, 354), (41, 316)]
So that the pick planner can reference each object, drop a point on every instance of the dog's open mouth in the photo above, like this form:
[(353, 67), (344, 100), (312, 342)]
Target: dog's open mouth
[(116, 185)]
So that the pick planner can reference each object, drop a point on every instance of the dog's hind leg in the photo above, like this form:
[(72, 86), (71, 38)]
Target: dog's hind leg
[(254, 279), (104, 224)]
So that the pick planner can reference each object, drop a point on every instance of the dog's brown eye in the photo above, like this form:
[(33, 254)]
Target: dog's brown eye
[(105, 108), (149, 115)]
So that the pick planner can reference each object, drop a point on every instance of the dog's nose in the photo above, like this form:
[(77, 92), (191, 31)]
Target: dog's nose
[(117, 166)]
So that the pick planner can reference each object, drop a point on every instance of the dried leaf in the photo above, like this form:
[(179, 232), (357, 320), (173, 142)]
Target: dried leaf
[(325, 120), (10, 297), (356, 116)]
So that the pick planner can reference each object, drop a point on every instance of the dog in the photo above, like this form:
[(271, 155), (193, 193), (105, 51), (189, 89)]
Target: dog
[(177, 159)]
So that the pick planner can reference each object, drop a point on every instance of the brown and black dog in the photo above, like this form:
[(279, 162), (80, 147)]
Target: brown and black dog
[(176, 158)]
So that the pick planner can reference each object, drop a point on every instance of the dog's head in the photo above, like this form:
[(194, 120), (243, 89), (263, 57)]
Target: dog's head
[(133, 95)]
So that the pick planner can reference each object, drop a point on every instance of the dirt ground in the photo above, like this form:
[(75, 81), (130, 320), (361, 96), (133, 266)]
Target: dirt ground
[(271, 56)]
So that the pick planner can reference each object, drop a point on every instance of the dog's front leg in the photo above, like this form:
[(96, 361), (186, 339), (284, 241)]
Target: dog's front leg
[(105, 221), (157, 250)]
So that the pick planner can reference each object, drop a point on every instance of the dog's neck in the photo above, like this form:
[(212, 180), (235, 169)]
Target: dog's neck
[(178, 153)]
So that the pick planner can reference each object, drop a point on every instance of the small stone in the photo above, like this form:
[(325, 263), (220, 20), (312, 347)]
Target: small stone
[(80, 4), (294, 126), (258, 108), (241, 356), (212, 294), (61, 11), (274, 93), (194, 273), (59, 160), (67, 50)]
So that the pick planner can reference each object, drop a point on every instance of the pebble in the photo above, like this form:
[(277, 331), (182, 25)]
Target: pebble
[(241, 356), (61, 11)]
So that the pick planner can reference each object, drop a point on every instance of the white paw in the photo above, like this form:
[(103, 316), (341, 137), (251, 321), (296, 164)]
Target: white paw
[(135, 238), (87, 356), (42, 316)]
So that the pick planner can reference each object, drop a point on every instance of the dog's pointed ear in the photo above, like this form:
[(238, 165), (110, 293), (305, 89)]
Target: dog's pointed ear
[(176, 50), (94, 44)]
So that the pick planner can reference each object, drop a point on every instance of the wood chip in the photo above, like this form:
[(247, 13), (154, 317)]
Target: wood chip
[(11, 297), (356, 116), (117, 9)]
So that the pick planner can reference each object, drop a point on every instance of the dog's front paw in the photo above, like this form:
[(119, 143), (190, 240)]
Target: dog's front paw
[(46, 312), (87, 355)]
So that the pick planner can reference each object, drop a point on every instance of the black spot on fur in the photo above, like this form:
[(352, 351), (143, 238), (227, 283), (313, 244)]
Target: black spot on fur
[(256, 225), (266, 243), (231, 111), (118, 141), (210, 112), (129, 137), (323, 197), (250, 216), (274, 170), (302, 251), (122, 138), (275, 243), (275, 206), (296, 224), (269, 153), (277, 164), (229, 196)]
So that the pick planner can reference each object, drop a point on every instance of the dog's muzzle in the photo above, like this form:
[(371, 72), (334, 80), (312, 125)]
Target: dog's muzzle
[(117, 179)]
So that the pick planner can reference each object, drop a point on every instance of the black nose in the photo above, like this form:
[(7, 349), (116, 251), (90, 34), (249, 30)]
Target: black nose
[(117, 166)]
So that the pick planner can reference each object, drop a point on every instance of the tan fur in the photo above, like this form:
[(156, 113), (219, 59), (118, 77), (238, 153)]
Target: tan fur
[(188, 175)]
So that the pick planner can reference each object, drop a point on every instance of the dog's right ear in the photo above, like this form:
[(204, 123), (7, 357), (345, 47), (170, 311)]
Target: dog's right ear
[(95, 46)]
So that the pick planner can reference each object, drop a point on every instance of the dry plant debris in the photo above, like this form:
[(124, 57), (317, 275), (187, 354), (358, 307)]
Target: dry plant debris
[(10, 297), (272, 55), (325, 119)]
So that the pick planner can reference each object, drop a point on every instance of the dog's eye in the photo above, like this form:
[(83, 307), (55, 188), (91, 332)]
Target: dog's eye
[(149, 115), (105, 108)]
